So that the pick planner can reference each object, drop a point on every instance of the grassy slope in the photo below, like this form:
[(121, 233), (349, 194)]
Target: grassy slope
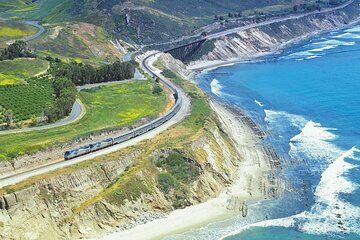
[(80, 42), (11, 30), (15, 71), (109, 107), (173, 175), (157, 20)]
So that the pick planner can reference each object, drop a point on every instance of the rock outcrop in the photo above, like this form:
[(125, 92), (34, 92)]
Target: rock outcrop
[(271, 38), (123, 189)]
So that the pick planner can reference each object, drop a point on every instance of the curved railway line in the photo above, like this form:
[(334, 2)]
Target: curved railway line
[(70, 154), (147, 131), (175, 115)]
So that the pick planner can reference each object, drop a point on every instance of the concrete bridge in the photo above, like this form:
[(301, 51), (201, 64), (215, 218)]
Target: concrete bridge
[(185, 52)]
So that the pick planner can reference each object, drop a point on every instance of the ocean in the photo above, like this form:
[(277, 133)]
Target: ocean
[(308, 101)]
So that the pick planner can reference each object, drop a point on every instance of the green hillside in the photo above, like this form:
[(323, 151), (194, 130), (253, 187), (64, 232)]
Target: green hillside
[(122, 104), (15, 71), (81, 42), (141, 21), (10, 30)]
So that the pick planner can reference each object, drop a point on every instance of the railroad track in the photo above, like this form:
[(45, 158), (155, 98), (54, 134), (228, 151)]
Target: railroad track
[(147, 131), (70, 154)]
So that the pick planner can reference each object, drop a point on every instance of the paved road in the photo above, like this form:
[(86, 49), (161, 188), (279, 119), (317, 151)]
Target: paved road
[(185, 107), (276, 20), (78, 109), (36, 35), (177, 118), (236, 30), (77, 112)]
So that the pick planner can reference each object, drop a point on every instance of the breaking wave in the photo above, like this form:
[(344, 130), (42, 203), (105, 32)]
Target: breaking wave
[(259, 103), (330, 214), (216, 87)]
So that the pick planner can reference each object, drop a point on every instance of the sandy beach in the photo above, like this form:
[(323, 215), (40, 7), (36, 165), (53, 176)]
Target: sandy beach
[(248, 187)]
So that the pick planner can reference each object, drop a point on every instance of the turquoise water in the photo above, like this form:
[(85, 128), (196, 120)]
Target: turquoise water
[(308, 100)]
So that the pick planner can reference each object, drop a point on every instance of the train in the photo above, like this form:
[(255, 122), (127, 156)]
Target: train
[(70, 154)]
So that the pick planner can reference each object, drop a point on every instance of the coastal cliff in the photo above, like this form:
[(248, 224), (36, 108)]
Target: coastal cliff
[(271, 38), (186, 165), (216, 149)]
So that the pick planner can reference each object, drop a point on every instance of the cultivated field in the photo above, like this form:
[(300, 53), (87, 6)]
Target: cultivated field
[(26, 100), (107, 107)]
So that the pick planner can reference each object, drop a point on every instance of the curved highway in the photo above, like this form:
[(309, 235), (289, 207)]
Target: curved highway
[(78, 110), (277, 20), (178, 117), (238, 29), (36, 35)]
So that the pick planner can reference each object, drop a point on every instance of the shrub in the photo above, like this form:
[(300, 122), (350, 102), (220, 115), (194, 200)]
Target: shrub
[(166, 182), (157, 89)]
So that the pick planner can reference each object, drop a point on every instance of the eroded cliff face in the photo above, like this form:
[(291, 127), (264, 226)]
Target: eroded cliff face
[(271, 38), (185, 165), (56, 152), (76, 203)]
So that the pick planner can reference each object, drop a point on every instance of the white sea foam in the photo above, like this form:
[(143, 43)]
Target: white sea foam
[(329, 210), (329, 44), (313, 141), (301, 54), (330, 214), (312, 57), (334, 42), (293, 119), (259, 103), (318, 47), (354, 29), (321, 49), (280, 222), (216, 87), (347, 35)]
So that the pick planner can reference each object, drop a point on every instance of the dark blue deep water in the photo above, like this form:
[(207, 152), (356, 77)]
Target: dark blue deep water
[(308, 100)]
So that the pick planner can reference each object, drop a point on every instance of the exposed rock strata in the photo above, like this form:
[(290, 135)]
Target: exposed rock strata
[(268, 39)]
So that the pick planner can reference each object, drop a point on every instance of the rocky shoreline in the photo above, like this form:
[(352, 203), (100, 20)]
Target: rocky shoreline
[(252, 183)]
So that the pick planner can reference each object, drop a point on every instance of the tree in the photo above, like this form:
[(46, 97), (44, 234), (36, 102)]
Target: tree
[(1, 115), (34, 121), (8, 117), (81, 74), (16, 50), (51, 114), (61, 84), (157, 89)]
